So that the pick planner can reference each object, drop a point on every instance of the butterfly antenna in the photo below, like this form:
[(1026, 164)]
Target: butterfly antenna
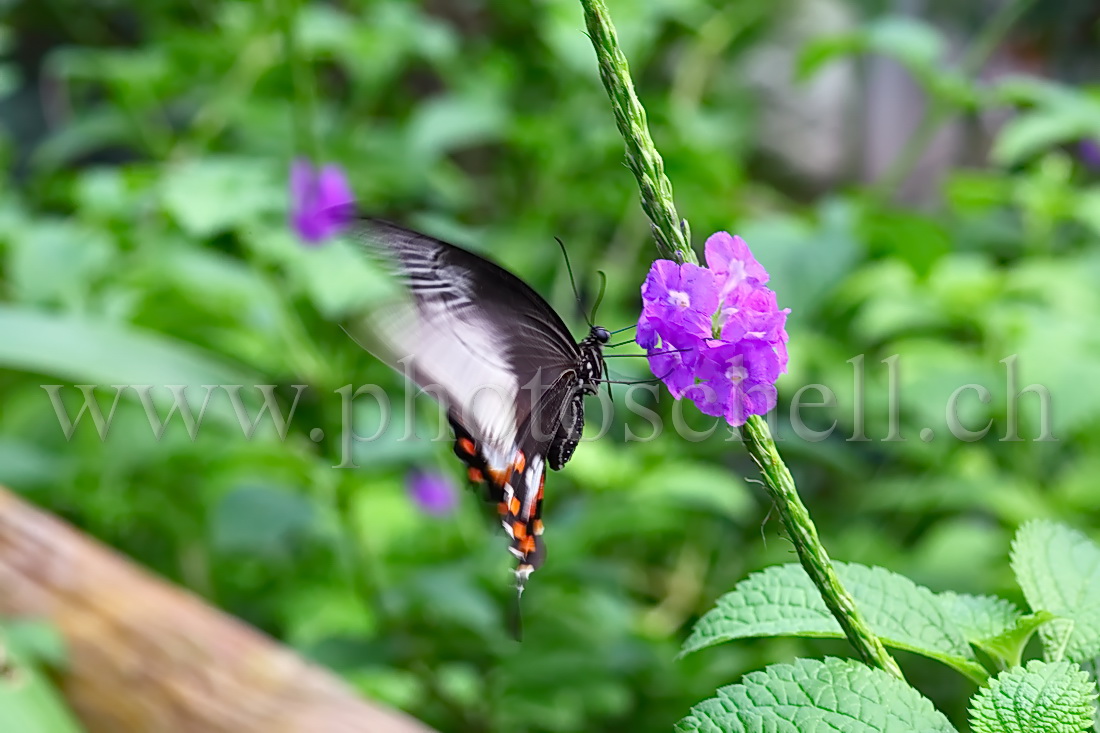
[(624, 328), (599, 295), (634, 381), (569, 269), (647, 355)]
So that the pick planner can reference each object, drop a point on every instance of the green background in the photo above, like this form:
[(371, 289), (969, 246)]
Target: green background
[(143, 240)]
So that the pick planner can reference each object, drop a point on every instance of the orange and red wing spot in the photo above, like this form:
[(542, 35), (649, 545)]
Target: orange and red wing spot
[(475, 475), (519, 530), (520, 463), (514, 506), (502, 507), (467, 446), (527, 545), (536, 526)]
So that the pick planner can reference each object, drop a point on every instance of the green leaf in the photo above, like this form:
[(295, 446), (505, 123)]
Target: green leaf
[(782, 601), (1031, 133), (1009, 646), (212, 195), (36, 642), (1044, 697), (990, 623), (260, 520), (1058, 569), (99, 352), (914, 43), (57, 261), (88, 351), (980, 617), (453, 122), (695, 485), (1086, 209), (812, 695), (28, 702)]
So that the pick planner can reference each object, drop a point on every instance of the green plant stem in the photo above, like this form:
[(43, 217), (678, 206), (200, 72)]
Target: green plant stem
[(646, 164), (302, 101), (642, 157), (811, 553), (938, 109)]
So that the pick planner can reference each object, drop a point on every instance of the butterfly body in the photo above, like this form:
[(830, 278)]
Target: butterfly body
[(498, 357)]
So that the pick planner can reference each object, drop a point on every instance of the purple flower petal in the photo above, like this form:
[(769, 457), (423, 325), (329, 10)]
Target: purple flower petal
[(732, 263), (321, 203), (673, 361), (753, 313), (738, 379), (679, 297), (434, 493)]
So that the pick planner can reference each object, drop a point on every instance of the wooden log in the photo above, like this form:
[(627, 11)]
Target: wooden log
[(147, 656)]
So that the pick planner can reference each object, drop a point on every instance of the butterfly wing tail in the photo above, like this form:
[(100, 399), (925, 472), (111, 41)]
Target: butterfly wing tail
[(521, 515)]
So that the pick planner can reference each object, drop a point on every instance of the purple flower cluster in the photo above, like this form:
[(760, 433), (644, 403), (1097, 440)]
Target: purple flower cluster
[(321, 201), (715, 334)]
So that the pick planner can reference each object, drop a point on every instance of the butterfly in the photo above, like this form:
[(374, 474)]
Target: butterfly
[(499, 359)]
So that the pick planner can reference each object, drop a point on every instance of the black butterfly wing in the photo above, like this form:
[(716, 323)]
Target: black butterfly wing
[(471, 333)]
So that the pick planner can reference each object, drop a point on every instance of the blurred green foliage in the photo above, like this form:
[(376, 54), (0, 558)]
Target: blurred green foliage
[(143, 237)]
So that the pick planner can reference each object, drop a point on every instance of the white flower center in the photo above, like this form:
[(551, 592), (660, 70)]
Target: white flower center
[(679, 298), (737, 272), (736, 373)]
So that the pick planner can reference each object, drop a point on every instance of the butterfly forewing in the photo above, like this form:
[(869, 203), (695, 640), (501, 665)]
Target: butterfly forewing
[(470, 329)]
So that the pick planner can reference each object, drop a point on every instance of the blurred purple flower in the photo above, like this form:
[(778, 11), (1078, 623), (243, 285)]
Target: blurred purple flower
[(729, 373), (433, 492), (1088, 151), (321, 201)]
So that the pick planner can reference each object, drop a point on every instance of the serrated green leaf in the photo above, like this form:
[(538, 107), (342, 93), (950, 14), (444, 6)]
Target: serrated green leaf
[(979, 617), (782, 601), (1044, 697), (1058, 569), (1009, 646), (813, 695)]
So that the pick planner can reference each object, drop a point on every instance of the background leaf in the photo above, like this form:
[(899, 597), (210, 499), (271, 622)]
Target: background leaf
[(782, 601), (1039, 698), (833, 694), (1059, 571)]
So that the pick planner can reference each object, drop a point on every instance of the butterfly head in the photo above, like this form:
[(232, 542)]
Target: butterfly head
[(599, 335)]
